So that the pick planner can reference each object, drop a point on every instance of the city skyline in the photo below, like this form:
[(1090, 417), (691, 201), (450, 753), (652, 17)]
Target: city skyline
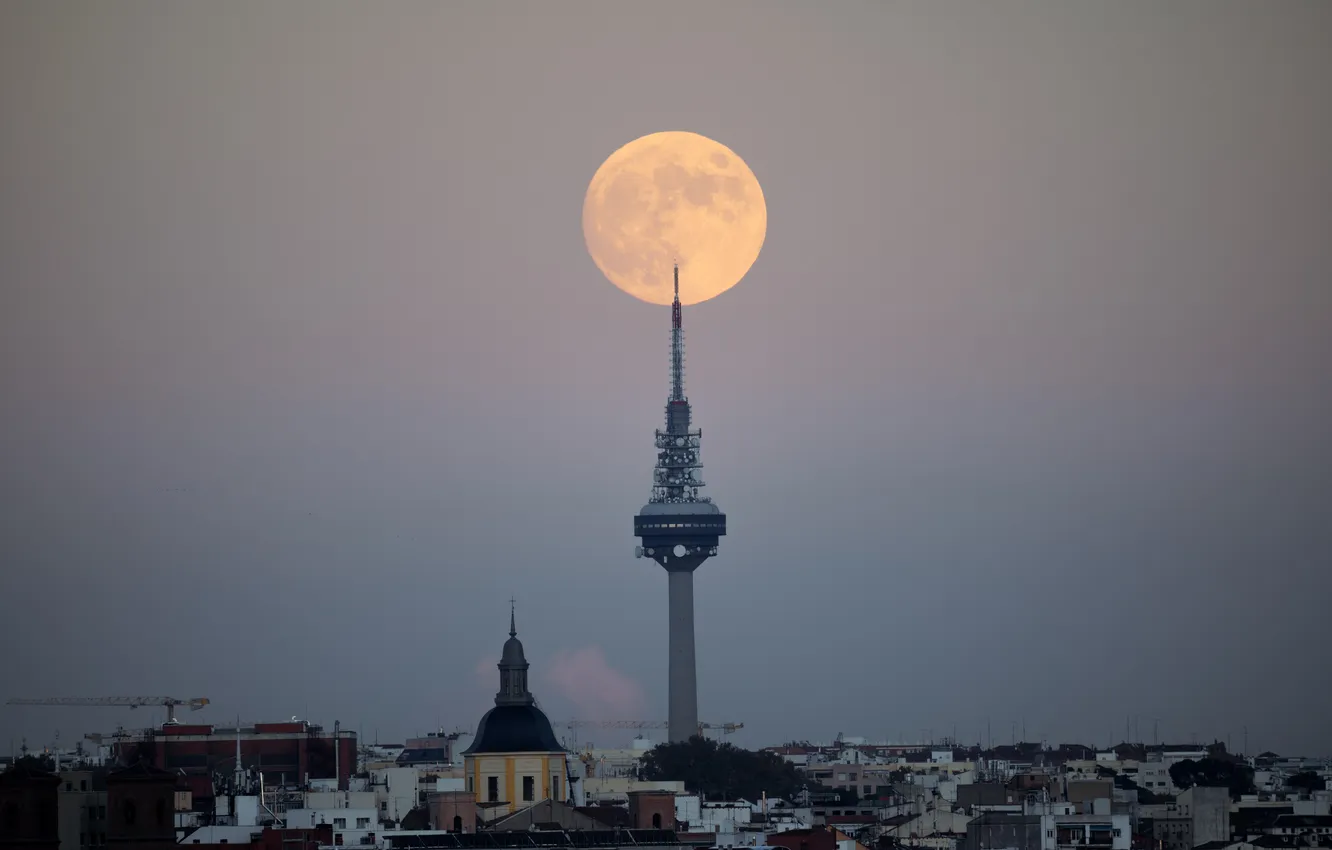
[(1021, 412)]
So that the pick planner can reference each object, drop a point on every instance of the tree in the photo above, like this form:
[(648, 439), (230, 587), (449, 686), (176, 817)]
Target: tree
[(1210, 772), (1307, 781), (722, 771)]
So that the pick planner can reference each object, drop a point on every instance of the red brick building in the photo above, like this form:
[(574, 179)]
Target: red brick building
[(29, 819), (652, 810), (140, 808), (285, 753)]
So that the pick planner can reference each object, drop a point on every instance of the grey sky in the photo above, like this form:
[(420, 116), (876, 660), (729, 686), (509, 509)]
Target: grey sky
[(1021, 414)]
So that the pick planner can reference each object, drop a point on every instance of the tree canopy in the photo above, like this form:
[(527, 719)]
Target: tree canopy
[(723, 771), (1212, 772)]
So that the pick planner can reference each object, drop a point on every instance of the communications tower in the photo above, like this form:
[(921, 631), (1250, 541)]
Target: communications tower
[(679, 529)]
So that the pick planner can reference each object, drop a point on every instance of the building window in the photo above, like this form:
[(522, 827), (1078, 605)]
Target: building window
[(554, 786), (529, 789), (339, 823), (457, 823), (83, 785), (492, 789), (656, 820), (363, 823), (470, 789)]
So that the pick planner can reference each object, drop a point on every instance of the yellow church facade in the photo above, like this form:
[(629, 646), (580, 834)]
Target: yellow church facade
[(518, 779)]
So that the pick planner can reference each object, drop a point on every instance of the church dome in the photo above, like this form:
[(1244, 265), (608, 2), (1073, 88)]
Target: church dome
[(514, 729)]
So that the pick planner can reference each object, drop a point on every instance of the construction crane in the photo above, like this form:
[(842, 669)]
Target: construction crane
[(169, 703)]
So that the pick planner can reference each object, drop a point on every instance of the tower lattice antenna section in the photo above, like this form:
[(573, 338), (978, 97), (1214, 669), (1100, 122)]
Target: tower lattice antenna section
[(677, 476)]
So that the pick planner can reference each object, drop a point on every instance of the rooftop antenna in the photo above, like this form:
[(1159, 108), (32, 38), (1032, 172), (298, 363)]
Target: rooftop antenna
[(513, 628)]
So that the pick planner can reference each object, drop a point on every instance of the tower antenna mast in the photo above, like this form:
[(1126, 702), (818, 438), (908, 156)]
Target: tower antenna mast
[(677, 344)]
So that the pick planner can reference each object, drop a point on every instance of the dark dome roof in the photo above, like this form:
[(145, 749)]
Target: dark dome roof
[(514, 729)]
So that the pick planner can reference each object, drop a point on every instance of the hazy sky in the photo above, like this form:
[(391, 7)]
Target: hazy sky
[(1023, 413)]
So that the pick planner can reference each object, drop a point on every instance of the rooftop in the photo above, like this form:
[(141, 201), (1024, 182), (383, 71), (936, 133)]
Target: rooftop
[(536, 838)]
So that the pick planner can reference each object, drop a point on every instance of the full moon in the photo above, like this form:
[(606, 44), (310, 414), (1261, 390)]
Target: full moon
[(674, 197)]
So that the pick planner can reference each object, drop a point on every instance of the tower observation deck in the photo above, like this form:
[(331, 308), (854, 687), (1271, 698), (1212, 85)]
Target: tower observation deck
[(679, 529)]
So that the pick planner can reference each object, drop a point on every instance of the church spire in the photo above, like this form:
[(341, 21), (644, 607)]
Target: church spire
[(513, 668)]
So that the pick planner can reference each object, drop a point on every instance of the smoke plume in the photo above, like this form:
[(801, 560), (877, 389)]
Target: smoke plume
[(596, 690)]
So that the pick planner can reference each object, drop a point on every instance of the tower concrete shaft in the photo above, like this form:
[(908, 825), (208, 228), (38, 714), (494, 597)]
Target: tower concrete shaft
[(682, 716), (679, 530)]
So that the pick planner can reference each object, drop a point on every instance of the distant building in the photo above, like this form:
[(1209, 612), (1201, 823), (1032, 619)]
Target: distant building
[(864, 781), (1199, 815), (1049, 826), (987, 795), (28, 808), (434, 748), (814, 838), (286, 753), (82, 807), (141, 803), (1308, 825)]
